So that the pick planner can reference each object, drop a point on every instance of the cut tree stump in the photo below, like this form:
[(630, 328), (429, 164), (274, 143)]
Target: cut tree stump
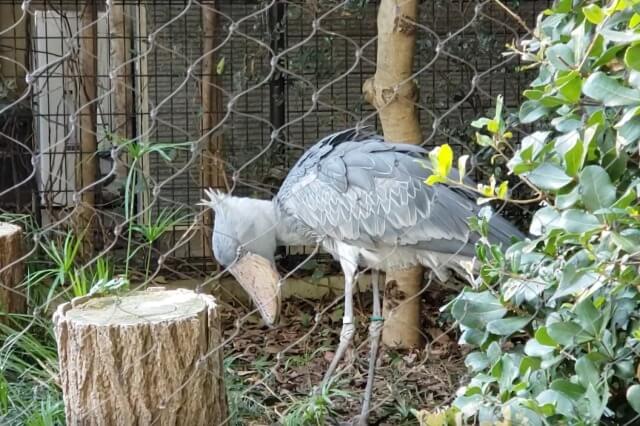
[(12, 299), (148, 357)]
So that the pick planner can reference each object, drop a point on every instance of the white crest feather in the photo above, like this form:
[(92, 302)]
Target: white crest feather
[(214, 198)]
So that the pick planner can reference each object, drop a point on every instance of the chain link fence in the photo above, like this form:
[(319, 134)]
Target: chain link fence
[(115, 116)]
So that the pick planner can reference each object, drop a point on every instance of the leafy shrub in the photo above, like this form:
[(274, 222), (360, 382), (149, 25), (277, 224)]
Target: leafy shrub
[(555, 320)]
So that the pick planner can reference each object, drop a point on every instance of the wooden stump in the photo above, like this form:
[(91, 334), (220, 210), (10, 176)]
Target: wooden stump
[(12, 298), (149, 357)]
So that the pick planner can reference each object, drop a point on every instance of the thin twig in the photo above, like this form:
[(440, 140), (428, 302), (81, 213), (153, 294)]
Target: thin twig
[(516, 17)]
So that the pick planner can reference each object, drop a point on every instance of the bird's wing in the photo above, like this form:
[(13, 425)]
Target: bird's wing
[(365, 191)]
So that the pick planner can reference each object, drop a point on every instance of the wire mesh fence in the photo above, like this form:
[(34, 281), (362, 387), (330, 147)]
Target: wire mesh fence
[(117, 115)]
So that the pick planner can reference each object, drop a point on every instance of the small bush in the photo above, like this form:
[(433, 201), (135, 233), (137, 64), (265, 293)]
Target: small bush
[(555, 320)]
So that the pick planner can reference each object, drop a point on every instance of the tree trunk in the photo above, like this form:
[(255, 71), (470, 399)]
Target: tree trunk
[(149, 357), (87, 167), (12, 299), (120, 26), (393, 93), (211, 159)]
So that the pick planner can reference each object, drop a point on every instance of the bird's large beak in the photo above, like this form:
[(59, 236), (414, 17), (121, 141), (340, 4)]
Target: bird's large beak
[(259, 277)]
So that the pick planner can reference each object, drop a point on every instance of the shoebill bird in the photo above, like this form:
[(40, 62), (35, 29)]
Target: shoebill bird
[(365, 202)]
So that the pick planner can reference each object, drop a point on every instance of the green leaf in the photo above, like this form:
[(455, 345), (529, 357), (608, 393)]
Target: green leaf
[(531, 111), (564, 333), (577, 221), (608, 55), (596, 188), (561, 403), (588, 316), (532, 94), (563, 6), (503, 189), (632, 57), (573, 281), (587, 372), (542, 336), (574, 159), (568, 200), (533, 348), (628, 240), (548, 176), (609, 91), (626, 199), (572, 390), (475, 310), (633, 397), (634, 21), (471, 336), (542, 220), (593, 13), (529, 363), (494, 352), (550, 101), (572, 89), (507, 326), (618, 37), (480, 122), (628, 115), (561, 56), (445, 160), (433, 179), (629, 133), (597, 118), (220, 66), (483, 140), (476, 361)]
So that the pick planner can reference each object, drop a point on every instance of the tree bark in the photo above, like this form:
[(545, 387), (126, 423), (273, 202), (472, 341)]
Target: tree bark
[(393, 93), (87, 167), (211, 160), (12, 299), (150, 357), (120, 28)]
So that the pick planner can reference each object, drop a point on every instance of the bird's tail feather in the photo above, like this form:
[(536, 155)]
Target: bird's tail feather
[(501, 231)]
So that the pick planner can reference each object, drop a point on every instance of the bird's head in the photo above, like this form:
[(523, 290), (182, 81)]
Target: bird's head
[(244, 243)]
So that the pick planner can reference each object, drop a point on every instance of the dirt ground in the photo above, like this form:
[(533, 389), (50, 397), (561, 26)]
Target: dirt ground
[(271, 373)]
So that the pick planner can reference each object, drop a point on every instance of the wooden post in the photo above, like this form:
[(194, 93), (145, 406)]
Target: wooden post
[(394, 94), (150, 357), (87, 167), (211, 164), (120, 28), (12, 299)]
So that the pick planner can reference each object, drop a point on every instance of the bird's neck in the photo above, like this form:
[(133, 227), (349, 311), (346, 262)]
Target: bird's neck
[(286, 233)]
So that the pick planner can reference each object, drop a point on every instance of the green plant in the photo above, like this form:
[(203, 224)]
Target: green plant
[(29, 393), (136, 183), (56, 269), (152, 229), (555, 319), (244, 404), (315, 408)]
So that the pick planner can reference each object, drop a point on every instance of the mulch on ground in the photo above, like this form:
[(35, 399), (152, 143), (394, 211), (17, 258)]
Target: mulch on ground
[(272, 371)]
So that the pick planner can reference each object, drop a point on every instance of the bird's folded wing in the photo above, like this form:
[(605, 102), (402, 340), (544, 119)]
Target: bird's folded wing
[(373, 193)]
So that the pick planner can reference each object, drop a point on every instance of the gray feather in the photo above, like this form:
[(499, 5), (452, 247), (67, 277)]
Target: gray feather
[(367, 192)]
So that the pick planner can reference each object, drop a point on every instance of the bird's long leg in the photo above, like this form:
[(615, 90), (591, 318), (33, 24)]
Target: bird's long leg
[(346, 335), (375, 330)]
